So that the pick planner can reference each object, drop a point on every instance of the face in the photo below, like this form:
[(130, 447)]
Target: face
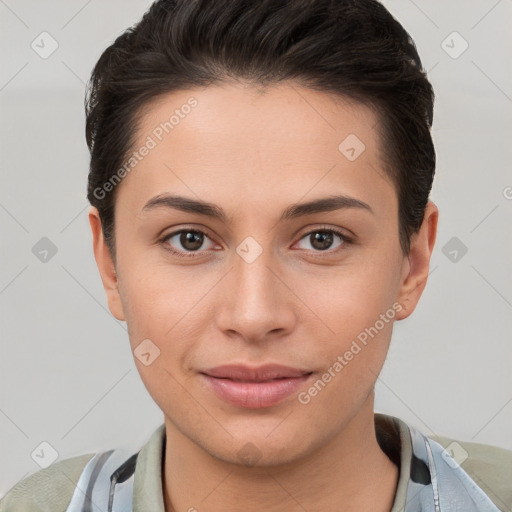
[(266, 293)]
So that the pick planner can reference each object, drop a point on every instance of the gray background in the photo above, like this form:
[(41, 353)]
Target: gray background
[(67, 374)]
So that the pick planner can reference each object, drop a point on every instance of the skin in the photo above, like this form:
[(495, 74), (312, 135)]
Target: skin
[(254, 153)]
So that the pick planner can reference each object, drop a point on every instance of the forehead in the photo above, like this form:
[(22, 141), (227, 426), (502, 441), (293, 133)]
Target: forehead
[(266, 117), (255, 143)]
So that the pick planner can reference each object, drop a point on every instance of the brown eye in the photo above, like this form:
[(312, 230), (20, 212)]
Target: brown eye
[(186, 241), (191, 240), (323, 239)]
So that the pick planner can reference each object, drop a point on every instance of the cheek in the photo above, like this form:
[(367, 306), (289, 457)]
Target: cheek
[(166, 306), (158, 310), (351, 298), (357, 305), (352, 357)]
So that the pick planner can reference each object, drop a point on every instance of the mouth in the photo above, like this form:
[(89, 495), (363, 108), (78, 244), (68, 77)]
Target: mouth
[(254, 388)]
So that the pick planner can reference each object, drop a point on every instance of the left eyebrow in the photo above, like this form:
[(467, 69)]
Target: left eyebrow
[(325, 204)]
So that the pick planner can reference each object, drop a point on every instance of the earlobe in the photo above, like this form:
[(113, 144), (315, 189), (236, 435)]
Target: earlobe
[(105, 265), (416, 273)]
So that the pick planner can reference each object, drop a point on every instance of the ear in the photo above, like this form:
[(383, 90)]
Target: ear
[(106, 265), (416, 266)]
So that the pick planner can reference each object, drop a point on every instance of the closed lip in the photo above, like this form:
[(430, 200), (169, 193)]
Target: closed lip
[(262, 373)]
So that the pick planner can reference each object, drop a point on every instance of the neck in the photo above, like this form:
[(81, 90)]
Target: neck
[(349, 473)]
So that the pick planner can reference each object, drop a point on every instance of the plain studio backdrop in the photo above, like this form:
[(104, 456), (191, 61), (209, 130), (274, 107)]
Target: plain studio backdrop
[(68, 379)]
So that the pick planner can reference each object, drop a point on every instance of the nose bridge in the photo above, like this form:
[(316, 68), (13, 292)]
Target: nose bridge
[(255, 300), (254, 282), (255, 277)]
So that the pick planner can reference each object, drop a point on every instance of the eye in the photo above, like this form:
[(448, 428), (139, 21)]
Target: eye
[(189, 240), (322, 239)]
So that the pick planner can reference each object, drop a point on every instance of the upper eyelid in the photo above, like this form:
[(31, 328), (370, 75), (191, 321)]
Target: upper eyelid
[(339, 231), (203, 231)]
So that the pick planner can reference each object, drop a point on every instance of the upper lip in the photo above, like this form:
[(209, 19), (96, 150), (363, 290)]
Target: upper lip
[(255, 374)]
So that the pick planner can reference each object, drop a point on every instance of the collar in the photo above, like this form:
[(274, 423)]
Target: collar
[(430, 480)]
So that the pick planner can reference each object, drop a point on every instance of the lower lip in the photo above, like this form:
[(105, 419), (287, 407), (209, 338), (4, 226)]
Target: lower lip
[(254, 395)]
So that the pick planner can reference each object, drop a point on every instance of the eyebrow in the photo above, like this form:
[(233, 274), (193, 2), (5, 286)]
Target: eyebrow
[(325, 204)]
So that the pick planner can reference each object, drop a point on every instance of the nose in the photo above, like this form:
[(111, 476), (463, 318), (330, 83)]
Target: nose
[(256, 303)]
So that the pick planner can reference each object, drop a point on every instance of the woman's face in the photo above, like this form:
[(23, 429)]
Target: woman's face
[(214, 294)]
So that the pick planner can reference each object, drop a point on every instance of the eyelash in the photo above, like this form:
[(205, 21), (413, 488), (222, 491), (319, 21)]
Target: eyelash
[(346, 240)]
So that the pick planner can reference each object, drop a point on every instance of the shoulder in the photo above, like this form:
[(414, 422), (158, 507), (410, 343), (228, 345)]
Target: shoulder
[(49, 489), (489, 466)]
